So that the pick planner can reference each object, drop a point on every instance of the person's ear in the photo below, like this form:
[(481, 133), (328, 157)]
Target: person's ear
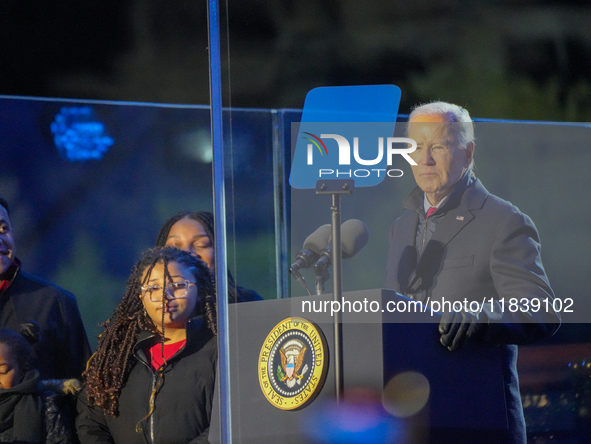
[(469, 154)]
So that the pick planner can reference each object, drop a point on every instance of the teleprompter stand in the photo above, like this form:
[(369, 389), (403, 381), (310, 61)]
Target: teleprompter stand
[(336, 188)]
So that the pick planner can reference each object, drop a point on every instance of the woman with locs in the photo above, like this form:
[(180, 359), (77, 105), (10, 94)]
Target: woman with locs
[(152, 377)]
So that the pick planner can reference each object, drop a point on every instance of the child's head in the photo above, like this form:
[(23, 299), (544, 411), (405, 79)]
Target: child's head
[(16, 357), (174, 286)]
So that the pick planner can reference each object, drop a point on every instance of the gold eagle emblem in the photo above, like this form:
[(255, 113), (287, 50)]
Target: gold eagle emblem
[(292, 358)]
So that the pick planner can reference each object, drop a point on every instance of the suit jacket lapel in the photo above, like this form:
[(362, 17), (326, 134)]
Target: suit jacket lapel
[(457, 216), (451, 224)]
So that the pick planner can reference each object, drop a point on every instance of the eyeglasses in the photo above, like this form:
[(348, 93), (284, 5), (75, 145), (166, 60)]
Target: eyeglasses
[(174, 290)]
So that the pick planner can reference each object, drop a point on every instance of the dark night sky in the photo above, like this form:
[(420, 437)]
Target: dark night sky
[(156, 51), (41, 40)]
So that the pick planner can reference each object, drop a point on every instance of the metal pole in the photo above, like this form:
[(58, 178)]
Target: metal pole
[(280, 207), (221, 274), (335, 188), (337, 291)]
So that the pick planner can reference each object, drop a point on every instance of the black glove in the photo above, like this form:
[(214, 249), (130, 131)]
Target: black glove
[(457, 327)]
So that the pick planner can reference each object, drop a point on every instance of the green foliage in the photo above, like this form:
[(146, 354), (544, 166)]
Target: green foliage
[(251, 259), (280, 373), (488, 92), (96, 290)]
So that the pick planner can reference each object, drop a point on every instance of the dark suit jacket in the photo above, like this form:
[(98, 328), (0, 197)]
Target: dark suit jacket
[(482, 248)]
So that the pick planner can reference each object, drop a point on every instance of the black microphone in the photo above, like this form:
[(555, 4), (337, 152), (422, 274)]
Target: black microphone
[(354, 236), (310, 252)]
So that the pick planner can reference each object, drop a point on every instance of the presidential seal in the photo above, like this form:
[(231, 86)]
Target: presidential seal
[(293, 363)]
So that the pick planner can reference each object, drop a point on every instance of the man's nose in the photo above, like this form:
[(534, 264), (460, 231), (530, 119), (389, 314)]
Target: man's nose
[(427, 157)]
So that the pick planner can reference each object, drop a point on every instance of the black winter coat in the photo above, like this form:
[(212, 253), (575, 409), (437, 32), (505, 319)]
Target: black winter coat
[(31, 414), (63, 349), (183, 399)]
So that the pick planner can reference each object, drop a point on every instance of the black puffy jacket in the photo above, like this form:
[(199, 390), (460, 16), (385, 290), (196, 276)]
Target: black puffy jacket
[(182, 403), (32, 413)]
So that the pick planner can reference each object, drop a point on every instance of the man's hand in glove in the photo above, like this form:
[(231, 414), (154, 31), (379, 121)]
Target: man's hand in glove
[(457, 327)]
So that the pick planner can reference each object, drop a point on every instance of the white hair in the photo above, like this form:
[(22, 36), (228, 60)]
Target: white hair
[(455, 114)]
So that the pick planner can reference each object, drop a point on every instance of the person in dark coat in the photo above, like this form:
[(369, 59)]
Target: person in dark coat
[(193, 232), (152, 377), (457, 242), (63, 348), (32, 410)]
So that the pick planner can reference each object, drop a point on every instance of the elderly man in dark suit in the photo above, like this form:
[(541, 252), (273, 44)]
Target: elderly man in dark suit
[(458, 242)]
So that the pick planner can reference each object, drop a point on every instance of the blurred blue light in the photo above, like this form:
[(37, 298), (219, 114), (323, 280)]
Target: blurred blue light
[(78, 136), (356, 421)]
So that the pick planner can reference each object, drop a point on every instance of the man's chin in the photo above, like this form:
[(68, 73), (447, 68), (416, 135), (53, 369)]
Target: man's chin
[(430, 187)]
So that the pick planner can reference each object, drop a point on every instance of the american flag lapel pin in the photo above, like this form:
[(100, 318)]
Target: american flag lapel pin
[(459, 217)]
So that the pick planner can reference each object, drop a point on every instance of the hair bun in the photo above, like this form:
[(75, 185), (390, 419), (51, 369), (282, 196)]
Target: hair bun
[(30, 331)]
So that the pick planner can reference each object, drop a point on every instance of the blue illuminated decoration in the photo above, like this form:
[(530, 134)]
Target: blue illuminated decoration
[(78, 136)]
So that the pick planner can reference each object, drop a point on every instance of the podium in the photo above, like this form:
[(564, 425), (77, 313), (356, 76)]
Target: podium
[(466, 389)]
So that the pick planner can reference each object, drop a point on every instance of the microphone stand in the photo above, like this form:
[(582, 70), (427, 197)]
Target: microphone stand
[(336, 188), (322, 275)]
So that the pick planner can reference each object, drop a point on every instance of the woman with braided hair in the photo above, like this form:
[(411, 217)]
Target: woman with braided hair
[(193, 232), (152, 377)]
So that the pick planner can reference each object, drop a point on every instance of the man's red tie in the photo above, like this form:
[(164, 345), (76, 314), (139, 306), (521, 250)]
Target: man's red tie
[(431, 210)]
